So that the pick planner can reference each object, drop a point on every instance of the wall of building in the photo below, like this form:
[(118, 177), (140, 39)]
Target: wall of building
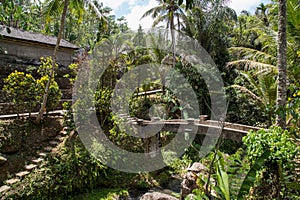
[(23, 49)]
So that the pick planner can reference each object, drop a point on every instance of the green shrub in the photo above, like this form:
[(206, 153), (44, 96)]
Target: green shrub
[(22, 89), (273, 180), (283, 149), (102, 104), (54, 92), (45, 67)]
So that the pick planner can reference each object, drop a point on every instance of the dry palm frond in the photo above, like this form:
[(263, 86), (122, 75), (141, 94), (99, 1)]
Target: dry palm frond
[(248, 92), (266, 71), (248, 65)]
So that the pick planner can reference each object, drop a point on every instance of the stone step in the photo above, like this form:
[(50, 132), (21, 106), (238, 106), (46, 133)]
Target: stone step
[(48, 148), (30, 167), (54, 143), (3, 188), (38, 160), (2, 160), (63, 133), (22, 174), (59, 138), (43, 154), (12, 181)]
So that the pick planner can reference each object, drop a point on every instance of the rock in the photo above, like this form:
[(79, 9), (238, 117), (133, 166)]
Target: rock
[(191, 197), (157, 196), (2, 160), (188, 184), (197, 167)]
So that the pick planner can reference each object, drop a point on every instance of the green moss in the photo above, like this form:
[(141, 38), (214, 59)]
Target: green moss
[(103, 194)]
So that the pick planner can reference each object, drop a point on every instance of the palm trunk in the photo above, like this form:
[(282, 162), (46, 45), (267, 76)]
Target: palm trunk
[(45, 97), (172, 27), (281, 63), (96, 10)]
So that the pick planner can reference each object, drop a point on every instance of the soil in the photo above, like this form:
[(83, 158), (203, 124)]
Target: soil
[(33, 139)]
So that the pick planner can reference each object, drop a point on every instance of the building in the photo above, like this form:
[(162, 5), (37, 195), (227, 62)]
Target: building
[(24, 46)]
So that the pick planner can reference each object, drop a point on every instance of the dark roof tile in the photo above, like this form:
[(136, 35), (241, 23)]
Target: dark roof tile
[(33, 37)]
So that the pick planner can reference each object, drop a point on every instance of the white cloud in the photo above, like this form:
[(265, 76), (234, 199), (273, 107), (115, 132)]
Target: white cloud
[(248, 5), (132, 2), (137, 11), (114, 4)]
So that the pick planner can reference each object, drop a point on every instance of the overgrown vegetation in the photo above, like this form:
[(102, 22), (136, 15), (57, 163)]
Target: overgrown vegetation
[(248, 49), (27, 92)]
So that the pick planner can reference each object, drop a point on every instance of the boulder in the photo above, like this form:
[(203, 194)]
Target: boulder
[(157, 196), (197, 167), (189, 182)]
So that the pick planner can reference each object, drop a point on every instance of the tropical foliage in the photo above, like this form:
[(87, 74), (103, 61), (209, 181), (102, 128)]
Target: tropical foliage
[(257, 54)]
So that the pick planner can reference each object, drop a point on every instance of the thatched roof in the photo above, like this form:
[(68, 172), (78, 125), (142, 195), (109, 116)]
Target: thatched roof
[(33, 37)]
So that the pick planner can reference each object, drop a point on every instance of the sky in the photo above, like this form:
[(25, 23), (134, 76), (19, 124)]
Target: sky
[(133, 10)]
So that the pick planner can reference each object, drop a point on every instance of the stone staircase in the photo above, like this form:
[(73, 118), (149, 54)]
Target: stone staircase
[(34, 163)]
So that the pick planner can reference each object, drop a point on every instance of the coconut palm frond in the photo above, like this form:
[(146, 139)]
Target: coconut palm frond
[(253, 83), (265, 72), (159, 20), (52, 8), (293, 18), (154, 12), (248, 92), (253, 54), (268, 86), (247, 65)]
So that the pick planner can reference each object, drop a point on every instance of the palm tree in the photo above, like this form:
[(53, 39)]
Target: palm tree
[(278, 51), (53, 8), (208, 23), (282, 65), (168, 11), (261, 12), (62, 24), (261, 88)]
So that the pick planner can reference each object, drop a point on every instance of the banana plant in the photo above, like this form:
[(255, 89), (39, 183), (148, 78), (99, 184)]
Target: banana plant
[(221, 187), (251, 175)]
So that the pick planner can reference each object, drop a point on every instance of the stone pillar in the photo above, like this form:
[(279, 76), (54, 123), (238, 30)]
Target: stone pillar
[(203, 118), (152, 144)]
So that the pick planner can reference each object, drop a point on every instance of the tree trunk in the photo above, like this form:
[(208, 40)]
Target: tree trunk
[(172, 28), (96, 10), (45, 97), (281, 63)]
